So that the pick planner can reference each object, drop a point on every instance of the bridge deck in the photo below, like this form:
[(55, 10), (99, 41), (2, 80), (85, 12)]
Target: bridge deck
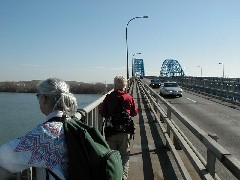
[(149, 158)]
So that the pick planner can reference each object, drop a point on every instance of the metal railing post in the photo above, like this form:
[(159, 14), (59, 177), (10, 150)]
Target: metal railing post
[(19, 176), (211, 159), (169, 117), (29, 173), (176, 143)]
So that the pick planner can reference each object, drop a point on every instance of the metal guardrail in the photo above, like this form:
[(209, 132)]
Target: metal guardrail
[(204, 167), (91, 114)]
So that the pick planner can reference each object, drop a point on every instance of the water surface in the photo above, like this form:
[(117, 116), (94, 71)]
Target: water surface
[(19, 113)]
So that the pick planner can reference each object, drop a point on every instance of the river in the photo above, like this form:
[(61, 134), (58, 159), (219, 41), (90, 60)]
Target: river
[(19, 113)]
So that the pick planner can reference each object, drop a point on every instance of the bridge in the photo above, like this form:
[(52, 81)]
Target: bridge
[(170, 67), (178, 138), (174, 141), (138, 67), (171, 70)]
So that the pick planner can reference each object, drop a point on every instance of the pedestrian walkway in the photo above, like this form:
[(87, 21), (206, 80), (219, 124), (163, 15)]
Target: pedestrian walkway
[(149, 158)]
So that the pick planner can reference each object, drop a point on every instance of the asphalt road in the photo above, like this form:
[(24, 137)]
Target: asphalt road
[(214, 117)]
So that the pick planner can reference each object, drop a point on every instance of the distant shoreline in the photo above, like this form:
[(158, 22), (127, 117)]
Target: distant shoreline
[(75, 87)]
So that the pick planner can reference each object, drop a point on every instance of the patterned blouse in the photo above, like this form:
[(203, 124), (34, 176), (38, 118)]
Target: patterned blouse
[(44, 147)]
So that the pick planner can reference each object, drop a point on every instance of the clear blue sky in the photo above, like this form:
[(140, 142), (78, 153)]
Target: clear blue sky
[(85, 40)]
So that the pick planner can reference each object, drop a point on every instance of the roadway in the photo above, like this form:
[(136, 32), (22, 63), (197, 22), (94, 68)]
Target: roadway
[(213, 116)]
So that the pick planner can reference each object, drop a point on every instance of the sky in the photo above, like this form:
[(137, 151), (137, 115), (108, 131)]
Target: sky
[(85, 41)]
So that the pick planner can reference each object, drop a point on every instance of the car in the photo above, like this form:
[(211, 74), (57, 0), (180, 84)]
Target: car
[(155, 83), (170, 89)]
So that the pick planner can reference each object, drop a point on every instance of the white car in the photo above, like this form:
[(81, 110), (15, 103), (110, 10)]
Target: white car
[(170, 89)]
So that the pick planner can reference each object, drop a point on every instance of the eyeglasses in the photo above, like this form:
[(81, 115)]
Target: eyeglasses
[(38, 95)]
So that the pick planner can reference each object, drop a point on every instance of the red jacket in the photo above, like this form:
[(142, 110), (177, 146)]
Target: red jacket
[(115, 100)]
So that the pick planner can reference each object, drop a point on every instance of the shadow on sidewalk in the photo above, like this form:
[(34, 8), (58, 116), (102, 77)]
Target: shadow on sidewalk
[(151, 166)]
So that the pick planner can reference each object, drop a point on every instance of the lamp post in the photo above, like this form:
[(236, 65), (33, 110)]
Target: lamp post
[(201, 70), (132, 62), (223, 68), (126, 40)]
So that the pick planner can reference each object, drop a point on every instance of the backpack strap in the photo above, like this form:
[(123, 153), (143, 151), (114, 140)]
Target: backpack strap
[(120, 106), (52, 174), (56, 119)]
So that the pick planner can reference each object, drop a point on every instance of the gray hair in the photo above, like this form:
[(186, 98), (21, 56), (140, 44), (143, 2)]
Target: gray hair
[(57, 91), (120, 82)]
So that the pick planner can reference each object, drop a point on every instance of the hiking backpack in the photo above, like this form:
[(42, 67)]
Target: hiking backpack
[(120, 121), (90, 157)]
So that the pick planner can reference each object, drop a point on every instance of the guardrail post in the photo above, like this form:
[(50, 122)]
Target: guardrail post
[(95, 118), (169, 112), (161, 118), (155, 107), (168, 127), (29, 173), (211, 159), (176, 143), (169, 117), (19, 176)]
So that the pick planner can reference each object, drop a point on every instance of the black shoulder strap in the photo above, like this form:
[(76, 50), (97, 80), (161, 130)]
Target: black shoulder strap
[(52, 174), (56, 119)]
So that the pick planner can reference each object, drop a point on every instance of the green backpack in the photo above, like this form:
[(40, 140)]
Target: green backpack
[(90, 157)]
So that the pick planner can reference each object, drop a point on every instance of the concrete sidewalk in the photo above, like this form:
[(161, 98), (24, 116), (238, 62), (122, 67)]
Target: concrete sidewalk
[(149, 158)]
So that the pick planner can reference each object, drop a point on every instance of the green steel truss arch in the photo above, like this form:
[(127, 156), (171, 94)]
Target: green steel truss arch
[(171, 67), (138, 67)]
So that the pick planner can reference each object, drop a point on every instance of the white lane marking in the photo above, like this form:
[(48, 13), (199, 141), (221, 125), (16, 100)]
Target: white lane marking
[(191, 100)]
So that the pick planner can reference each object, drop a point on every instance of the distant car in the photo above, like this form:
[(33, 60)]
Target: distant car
[(170, 89), (137, 75), (155, 83)]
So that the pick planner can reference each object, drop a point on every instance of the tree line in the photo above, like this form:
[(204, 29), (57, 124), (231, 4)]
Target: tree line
[(75, 87)]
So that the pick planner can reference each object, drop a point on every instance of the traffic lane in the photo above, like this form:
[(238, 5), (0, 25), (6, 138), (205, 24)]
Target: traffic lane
[(213, 118)]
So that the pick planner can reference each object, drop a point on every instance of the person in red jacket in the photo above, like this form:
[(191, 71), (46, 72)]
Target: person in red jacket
[(119, 138)]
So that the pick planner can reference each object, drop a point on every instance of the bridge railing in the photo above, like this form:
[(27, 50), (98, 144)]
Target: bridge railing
[(167, 116), (228, 88)]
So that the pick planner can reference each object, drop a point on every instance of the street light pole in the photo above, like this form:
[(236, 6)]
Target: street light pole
[(201, 70), (132, 62), (223, 68), (127, 43)]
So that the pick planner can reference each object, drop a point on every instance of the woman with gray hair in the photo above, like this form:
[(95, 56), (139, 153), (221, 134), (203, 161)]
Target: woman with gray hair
[(53, 95), (44, 146)]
